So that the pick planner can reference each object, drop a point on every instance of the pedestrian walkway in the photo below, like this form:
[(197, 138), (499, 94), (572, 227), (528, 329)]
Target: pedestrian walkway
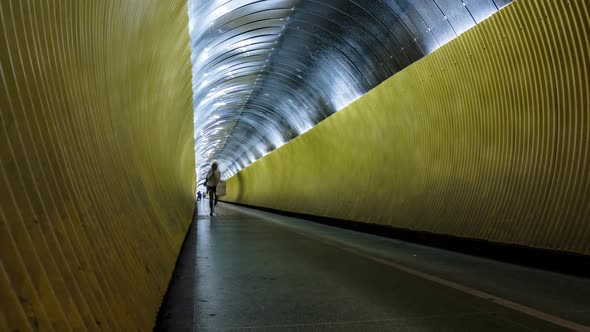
[(264, 272)]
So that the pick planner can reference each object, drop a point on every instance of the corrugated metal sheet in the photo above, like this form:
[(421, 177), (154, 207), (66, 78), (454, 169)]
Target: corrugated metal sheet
[(266, 71), (97, 161), (488, 137)]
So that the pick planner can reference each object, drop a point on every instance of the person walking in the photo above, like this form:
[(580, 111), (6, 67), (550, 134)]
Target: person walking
[(211, 181)]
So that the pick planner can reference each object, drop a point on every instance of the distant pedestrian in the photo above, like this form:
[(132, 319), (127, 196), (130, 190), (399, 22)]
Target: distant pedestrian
[(211, 181)]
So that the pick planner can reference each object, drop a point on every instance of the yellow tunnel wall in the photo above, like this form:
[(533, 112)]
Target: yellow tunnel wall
[(97, 161), (486, 138)]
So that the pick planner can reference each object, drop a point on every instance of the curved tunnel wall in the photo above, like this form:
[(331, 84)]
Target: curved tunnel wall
[(97, 161), (487, 138), (267, 71)]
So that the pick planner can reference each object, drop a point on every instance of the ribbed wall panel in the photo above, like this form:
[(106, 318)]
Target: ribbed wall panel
[(487, 137), (97, 161)]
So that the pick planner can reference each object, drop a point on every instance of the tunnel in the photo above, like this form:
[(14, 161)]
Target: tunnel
[(386, 165)]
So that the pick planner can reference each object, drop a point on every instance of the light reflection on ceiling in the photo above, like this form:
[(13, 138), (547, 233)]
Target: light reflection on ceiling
[(265, 72)]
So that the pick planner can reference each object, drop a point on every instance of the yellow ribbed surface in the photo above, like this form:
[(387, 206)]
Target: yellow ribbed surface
[(488, 137), (97, 160)]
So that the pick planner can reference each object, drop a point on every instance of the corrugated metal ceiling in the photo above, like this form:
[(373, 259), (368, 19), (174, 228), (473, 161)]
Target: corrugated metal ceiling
[(265, 72)]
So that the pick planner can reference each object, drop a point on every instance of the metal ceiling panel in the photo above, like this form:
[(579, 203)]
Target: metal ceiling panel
[(265, 72)]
